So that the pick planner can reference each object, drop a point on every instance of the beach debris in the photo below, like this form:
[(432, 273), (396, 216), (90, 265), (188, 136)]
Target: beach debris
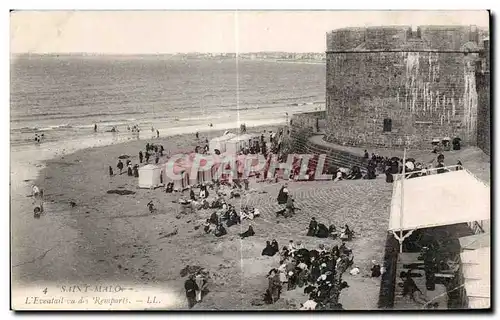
[(173, 233), (354, 271), (257, 302), (124, 156), (121, 192)]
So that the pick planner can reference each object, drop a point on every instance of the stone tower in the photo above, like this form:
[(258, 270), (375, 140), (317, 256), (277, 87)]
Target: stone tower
[(402, 86)]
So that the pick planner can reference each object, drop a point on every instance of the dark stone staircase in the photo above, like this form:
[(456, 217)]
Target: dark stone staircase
[(334, 156)]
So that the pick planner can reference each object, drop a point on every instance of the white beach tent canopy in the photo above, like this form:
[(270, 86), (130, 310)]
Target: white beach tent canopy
[(234, 145), (150, 176), (477, 281), (437, 200), (219, 142)]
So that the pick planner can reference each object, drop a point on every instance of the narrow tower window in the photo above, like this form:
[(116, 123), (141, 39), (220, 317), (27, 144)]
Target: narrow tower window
[(387, 125)]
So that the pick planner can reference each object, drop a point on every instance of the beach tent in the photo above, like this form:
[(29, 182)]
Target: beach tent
[(476, 275), (234, 145), (437, 200), (150, 176), (178, 172), (219, 142), (217, 170), (204, 176), (184, 177)]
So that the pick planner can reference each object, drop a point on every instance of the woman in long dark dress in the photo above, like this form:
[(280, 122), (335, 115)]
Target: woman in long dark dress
[(283, 195)]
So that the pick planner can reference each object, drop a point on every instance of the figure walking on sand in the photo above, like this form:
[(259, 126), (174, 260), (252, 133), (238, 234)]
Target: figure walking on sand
[(140, 156), (120, 166), (202, 284), (36, 192), (95, 127), (191, 287), (157, 133)]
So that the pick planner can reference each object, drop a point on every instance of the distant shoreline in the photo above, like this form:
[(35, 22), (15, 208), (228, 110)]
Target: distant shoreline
[(161, 56)]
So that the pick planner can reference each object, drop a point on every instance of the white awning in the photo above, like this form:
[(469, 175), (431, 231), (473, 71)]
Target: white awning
[(477, 281), (439, 199)]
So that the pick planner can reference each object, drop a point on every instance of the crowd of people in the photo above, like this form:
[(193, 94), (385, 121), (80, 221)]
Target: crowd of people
[(318, 271), (133, 170)]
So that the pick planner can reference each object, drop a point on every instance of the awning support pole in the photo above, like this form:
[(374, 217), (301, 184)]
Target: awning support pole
[(402, 205), (402, 238)]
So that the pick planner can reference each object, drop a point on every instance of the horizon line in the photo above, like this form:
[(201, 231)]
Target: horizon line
[(154, 54)]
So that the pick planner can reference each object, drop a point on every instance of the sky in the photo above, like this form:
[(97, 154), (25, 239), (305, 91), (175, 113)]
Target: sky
[(156, 32)]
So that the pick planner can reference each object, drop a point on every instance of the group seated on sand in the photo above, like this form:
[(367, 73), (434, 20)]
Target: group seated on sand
[(229, 215), (318, 271), (320, 230), (313, 270)]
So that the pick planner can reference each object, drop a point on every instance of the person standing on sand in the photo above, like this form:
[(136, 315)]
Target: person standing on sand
[(95, 127), (110, 171), (140, 156), (157, 134), (191, 287), (120, 166), (197, 135), (200, 282), (274, 285)]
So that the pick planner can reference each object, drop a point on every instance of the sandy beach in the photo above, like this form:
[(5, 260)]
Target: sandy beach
[(113, 238), (62, 246)]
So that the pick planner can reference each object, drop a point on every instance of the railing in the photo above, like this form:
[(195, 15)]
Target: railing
[(428, 171)]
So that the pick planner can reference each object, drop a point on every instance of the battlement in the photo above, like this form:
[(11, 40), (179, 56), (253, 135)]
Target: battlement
[(405, 38)]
